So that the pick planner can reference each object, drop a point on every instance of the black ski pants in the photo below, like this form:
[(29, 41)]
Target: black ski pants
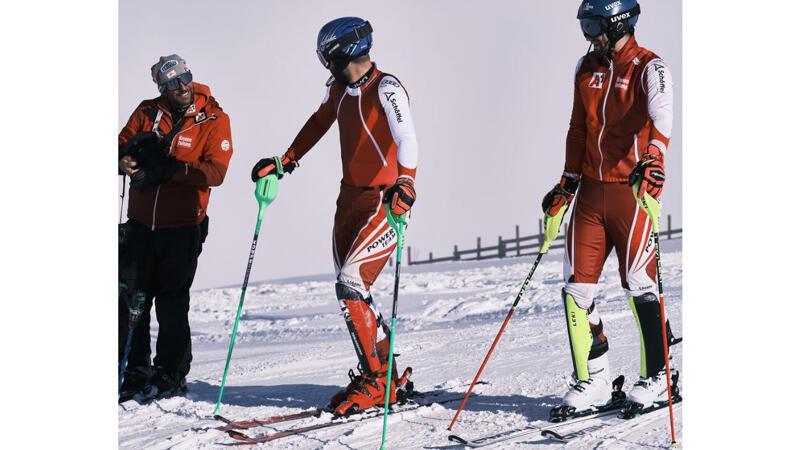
[(160, 263)]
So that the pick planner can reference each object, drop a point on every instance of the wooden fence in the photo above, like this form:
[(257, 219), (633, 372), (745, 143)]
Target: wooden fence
[(515, 246)]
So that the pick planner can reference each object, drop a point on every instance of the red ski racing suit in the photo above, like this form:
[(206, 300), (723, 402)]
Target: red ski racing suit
[(379, 146), (622, 105)]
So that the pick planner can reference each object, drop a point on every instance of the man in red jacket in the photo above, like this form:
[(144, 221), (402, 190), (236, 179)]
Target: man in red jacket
[(379, 162), (620, 127), (174, 148)]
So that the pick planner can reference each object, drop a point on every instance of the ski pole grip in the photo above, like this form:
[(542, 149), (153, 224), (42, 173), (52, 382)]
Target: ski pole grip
[(551, 226), (398, 224), (650, 205), (266, 191)]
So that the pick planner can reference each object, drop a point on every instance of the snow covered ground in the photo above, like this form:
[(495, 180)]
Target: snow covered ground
[(293, 352)]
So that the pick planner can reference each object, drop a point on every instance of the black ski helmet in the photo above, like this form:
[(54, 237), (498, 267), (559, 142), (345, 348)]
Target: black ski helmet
[(615, 18)]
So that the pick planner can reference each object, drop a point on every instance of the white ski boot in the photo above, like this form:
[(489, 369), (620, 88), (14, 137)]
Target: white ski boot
[(596, 391), (647, 391)]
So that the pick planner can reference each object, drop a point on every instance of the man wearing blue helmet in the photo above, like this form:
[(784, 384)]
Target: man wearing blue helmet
[(619, 130), (379, 164)]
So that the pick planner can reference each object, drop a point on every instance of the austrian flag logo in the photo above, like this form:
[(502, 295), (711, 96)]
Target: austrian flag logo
[(598, 78)]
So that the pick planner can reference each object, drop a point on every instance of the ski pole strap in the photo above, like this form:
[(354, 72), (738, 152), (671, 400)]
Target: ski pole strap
[(278, 164), (650, 205)]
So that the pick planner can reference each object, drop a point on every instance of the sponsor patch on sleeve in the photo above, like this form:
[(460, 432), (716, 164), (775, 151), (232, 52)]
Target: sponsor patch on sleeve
[(225, 145)]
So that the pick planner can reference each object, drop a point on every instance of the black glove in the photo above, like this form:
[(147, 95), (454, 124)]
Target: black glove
[(267, 166), (154, 172)]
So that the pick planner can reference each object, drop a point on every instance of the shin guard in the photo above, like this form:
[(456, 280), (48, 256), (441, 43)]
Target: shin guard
[(586, 339), (361, 325), (647, 311)]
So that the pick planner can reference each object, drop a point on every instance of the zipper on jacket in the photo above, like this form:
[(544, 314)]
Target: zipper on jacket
[(158, 189), (600, 136), (636, 147)]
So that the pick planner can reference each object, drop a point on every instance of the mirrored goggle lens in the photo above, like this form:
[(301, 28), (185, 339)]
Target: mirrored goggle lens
[(592, 27), (322, 59), (173, 84)]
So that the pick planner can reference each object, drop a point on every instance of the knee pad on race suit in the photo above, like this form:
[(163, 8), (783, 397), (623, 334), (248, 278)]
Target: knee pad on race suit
[(647, 310), (362, 325), (586, 338)]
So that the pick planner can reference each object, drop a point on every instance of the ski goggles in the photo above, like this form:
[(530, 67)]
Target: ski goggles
[(336, 46), (175, 83), (593, 26)]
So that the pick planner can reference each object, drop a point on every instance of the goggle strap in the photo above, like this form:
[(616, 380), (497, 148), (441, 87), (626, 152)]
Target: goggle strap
[(635, 11)]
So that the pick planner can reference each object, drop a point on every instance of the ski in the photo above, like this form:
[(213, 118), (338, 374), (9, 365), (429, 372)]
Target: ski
[(516, 433), (404, 391), (562, 415), (621, 416), (252, 423), (371, 413)]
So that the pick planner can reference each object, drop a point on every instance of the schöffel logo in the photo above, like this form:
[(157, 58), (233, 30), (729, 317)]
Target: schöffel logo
[(662, 85), (598, 78), (611, 6), (390, 98), (169, 65)]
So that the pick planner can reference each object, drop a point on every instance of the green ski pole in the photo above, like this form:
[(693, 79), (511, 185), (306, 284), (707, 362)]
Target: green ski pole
[(652, 207), (266, 191), (397, 223)]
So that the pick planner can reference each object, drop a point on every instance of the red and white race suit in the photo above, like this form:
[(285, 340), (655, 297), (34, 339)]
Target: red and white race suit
[(621, 105), (379, 145)]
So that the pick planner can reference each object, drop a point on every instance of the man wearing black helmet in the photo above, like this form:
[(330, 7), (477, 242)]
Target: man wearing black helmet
[(379, 161), (620, 127), (174, 148)]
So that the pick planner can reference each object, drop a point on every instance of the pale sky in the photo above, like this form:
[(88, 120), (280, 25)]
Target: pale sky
[(491, 91)]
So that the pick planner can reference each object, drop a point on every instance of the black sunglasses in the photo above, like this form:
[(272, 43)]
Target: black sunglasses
[(175, 83)]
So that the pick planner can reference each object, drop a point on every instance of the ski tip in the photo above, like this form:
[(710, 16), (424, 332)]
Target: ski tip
[(238, 436), (454, 438), (552, 435), (222, 419)]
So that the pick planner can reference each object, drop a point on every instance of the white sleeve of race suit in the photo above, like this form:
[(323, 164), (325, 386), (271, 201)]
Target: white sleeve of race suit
[(395, 103), (657, 82)]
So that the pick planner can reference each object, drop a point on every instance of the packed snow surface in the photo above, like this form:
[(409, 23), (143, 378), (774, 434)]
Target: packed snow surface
[(293, 352)]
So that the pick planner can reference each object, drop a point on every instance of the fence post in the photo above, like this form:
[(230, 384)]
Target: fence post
[(430, 258), (390, 260), (501, 250), (669, 226), (517, 238), (409, 255), (456, 256), (478, 252)]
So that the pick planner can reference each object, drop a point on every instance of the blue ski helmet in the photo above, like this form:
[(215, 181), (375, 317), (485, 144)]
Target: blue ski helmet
[(342, 40), (616, 18)]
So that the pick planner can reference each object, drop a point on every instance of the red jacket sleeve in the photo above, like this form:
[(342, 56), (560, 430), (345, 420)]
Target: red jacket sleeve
[(213, 164), (576, 136), (133, 126), (315, 127)]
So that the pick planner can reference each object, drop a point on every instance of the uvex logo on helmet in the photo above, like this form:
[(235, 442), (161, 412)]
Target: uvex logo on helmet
[(611, 6), (169, 65)]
